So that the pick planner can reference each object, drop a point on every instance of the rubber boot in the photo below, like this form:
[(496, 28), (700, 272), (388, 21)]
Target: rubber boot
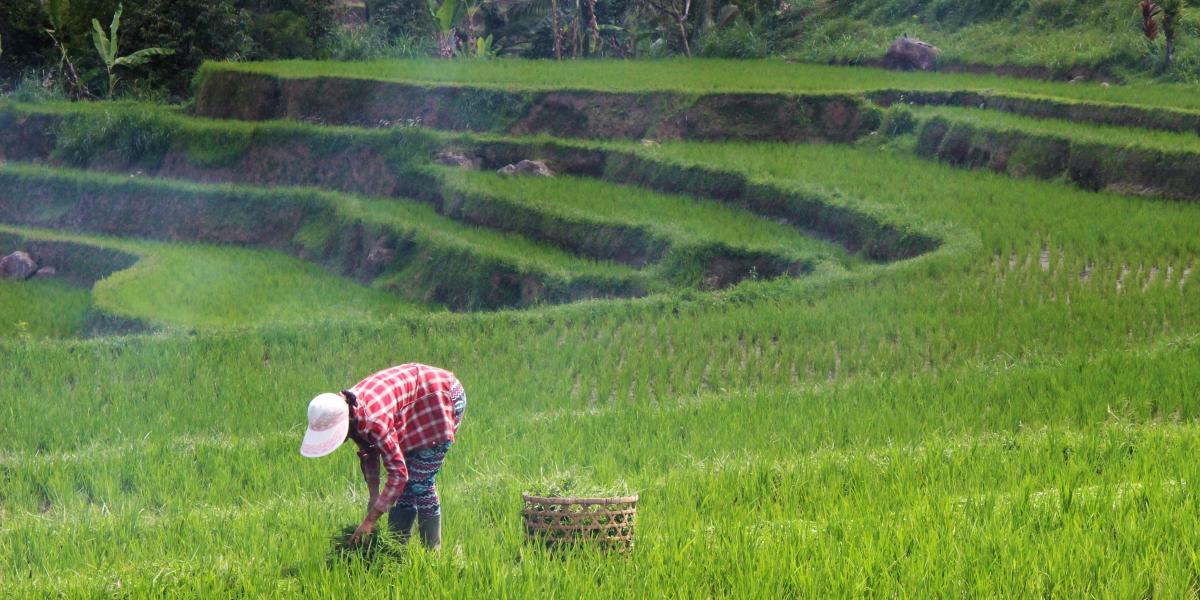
[(431, 531), (400, 520)]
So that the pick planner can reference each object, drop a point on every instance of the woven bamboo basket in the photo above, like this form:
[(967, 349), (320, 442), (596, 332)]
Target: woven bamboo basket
[(559, 522)]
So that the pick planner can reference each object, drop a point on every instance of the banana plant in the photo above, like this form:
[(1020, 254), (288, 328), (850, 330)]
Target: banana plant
[(107, 45), (447, 16), (484, 48)]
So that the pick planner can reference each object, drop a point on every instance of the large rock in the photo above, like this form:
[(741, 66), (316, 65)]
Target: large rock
[(536, 168), (18, 265), (907, 54)]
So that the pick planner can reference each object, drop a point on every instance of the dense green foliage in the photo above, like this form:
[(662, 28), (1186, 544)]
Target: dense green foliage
[(1060, 38), (1010, 412), (194, 30)]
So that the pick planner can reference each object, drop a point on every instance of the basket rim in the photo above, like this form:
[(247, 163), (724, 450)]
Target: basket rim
[(584, 501)]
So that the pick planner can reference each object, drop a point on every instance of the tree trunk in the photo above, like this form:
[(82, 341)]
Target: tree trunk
[(576, 30), (556, 30), (470, 32), (683, 36), (594, 26)]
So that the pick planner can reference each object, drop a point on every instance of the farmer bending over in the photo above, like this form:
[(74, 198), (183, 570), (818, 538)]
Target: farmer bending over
[(407, 416)]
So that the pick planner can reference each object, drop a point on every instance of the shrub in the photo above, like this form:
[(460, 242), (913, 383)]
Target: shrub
[(738, 41), (898, 120), (135, 138), (25, 42), (1060, 13), (377, 41), (408, 18), (34, 86), (282, 34)]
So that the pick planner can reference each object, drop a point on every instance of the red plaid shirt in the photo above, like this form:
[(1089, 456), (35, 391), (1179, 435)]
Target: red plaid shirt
[(402, 408)]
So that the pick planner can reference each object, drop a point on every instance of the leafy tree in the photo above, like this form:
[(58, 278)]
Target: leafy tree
[(107, 48), (282, 34), (23, 27)]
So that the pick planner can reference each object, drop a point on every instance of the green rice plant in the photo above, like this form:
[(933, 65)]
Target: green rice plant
[(42, 309)]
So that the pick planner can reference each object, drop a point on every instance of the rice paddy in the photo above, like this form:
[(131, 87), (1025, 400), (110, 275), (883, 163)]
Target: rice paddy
[(1010, 411)]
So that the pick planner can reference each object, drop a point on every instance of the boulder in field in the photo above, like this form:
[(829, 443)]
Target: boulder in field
[(454, 159), (18, 265), (908, 54), (46, 272), (536, 168)]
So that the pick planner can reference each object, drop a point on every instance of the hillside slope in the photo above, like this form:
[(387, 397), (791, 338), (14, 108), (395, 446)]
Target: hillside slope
[(1042, 38)]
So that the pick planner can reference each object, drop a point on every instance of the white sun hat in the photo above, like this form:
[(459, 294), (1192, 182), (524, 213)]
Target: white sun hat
[(328, 422)]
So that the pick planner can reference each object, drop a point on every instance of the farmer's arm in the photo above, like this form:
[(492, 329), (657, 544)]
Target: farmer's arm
[(368, 461), (397, 477)]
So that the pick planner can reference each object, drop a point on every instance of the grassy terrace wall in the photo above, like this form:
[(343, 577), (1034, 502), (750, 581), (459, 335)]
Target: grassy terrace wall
[(1102, 113), (814, 211), (393, 163), (309, 224), (228, 94), (693, 99), (1091, 165)]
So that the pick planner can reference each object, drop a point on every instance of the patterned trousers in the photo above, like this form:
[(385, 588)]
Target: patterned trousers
[(420, 493)]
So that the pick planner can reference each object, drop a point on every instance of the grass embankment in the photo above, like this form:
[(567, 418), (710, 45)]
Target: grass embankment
[(661, 114), (426, 257), (1123, 159), (708, 244), (866, 229), (638, 226), (1129, 137), (701, 76)]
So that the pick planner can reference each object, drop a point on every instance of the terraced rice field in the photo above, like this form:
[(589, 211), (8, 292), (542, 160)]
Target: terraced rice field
[(831, 366)]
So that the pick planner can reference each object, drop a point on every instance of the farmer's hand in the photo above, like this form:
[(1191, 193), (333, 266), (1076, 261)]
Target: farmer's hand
[(361, 535)]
